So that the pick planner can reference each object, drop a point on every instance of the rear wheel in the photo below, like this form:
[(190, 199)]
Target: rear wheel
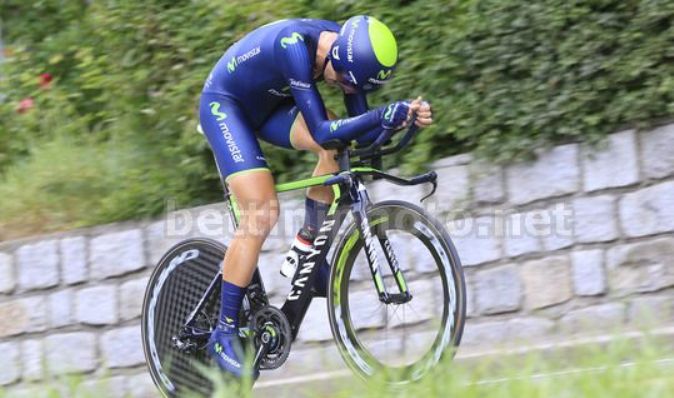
[(402, 341), (179, 281)]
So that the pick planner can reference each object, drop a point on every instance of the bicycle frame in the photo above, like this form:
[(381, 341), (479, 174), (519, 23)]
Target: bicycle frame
[(350, 196)]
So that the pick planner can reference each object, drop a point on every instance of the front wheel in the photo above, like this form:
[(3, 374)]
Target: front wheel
[(403, 341)]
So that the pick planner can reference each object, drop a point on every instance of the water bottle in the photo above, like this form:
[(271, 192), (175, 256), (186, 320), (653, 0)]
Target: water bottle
[(300, 247)]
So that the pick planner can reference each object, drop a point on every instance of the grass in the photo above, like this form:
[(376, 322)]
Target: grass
[(623, 369)]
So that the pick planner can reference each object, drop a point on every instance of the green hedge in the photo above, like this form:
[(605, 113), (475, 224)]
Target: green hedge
[(504, 76)]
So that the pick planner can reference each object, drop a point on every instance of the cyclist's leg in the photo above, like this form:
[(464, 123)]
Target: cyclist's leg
[(286, 127), (242, 165)]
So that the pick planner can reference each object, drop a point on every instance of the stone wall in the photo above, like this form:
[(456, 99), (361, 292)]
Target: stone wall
[(579, 241)]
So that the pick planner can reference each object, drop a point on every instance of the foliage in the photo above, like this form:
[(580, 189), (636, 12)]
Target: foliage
[(503, 77)]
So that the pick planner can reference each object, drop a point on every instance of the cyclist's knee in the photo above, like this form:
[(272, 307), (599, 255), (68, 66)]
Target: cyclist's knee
[(258, 217), (302, 138)]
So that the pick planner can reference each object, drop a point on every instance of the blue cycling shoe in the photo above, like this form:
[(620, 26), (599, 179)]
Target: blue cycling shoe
[(228, 352)]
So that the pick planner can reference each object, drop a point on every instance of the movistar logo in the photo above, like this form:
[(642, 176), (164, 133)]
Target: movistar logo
[(292, 39), (215, 111), (218, 348), (231, 65), (335, 125), (389, 111), (383, 75)]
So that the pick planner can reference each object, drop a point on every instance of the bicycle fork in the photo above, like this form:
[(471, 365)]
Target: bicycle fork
[(361, 203)]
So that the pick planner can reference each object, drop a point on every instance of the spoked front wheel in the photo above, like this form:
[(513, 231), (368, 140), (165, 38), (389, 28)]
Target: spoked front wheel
[(405, 338)]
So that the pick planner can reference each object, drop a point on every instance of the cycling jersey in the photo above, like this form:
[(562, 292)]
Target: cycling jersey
[(259, 86)]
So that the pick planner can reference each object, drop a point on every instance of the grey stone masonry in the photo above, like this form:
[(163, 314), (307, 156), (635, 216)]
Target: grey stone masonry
[(648, 211), (7, 281), (487, 181), (73, 259), (657, 152), (61, 308), (599, 318), (589, 278), (22, 315), (594, 220), (475, 239), (38, 265), (71, 352), (116, 253), (131, 295), (122, 347), (97, 305), (498, 290), (547, 281), (32, 359), (9, 363), (554, 173), (579, 241), (645, 266), (613, 166)]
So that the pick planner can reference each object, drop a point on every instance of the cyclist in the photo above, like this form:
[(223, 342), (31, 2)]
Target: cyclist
[(264, 86)]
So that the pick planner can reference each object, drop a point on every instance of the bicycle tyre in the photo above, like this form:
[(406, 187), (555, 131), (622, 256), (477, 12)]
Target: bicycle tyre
[(174, 289), (436, 239)]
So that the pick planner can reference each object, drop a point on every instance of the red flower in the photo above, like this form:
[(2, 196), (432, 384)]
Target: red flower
[(25, 105), (45, 80)]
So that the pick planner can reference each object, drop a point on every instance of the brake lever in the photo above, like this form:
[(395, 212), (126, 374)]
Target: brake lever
[(435, 187)]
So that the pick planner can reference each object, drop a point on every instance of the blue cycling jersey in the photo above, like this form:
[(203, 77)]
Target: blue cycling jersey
[(261, 84)]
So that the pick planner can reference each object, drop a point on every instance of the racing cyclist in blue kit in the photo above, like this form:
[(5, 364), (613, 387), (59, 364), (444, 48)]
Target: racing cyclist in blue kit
[(264, 86)]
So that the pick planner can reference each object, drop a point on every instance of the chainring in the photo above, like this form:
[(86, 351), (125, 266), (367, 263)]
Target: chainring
[(271, 324)]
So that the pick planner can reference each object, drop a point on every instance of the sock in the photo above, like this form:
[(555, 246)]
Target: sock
[(314, 214), (231, 297)]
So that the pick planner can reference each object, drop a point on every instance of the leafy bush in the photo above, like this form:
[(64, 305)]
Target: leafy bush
[(503, 76)]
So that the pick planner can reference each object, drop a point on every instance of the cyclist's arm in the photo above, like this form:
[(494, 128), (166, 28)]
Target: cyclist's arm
[(296, 66), (356, 104)]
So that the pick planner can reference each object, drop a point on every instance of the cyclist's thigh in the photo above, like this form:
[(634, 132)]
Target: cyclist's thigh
[(230, 136), (286, 128)]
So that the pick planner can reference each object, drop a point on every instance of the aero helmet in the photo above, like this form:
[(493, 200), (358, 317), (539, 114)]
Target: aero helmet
[(365, 52)]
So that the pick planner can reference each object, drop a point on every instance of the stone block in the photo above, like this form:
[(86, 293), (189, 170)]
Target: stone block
[(365, 308), (32, 359), (594, 219), (603, 317), (648, 211), (488, 183), (546, 281), (554, 173), (22, 316), (657, 152), (122, 348), (116, 253), (614, 165), (651, 310), (498, 290), (38, 265), (74, 259), (521, 235), (9, 363), (131, 295), (316, 326), (61, 308), (475, 239), (7, 280), (639, 267), (97, 305), (141, 386), (453, 188), (71, 352), (589, 278), (109, 387)]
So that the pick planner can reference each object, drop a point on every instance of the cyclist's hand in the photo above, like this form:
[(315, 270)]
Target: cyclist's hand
[(423, 111), (395, 115)]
